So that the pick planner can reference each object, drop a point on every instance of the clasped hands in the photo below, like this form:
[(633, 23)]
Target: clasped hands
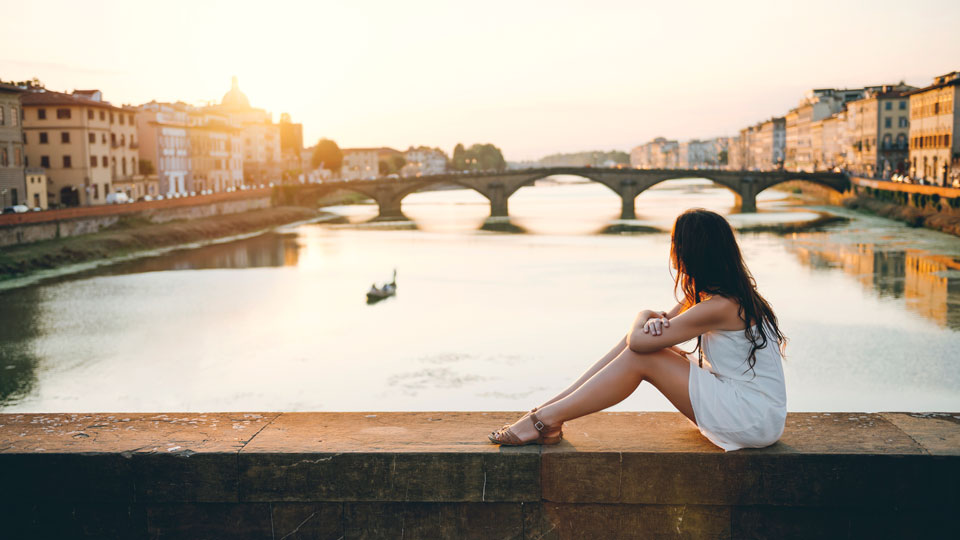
[(653, 322)]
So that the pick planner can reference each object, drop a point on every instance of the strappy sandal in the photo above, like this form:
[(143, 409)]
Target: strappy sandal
[(533, 410), (505, 437)]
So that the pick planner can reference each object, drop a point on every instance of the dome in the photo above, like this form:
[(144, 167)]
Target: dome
[(235, 99)]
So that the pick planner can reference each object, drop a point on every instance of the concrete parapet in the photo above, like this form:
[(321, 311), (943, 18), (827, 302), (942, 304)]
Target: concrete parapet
[(435, 475)]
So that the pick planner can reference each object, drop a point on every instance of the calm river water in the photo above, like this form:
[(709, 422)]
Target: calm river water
[(482, 320)]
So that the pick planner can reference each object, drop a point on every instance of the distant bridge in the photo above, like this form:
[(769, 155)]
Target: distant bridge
[(497, 187)]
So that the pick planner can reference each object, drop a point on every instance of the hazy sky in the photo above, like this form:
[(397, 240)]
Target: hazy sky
[(532, 77)]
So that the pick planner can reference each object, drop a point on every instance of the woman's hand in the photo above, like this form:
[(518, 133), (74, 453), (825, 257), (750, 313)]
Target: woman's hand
[(656, 323)]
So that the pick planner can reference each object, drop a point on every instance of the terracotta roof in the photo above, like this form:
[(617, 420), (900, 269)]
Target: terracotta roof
[(57, 98), (10, 87)]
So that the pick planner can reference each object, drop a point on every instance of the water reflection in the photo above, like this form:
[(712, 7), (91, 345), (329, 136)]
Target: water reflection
[(264, 251), (19, 326), (927, 282)]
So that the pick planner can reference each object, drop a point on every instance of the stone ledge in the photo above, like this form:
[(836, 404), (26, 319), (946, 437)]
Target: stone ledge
[(344, 472)]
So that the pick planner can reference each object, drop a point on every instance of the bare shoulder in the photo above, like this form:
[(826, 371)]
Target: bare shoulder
[(724, 312)]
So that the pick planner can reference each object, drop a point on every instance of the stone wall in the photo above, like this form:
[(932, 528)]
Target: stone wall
[(435, 475), (36, 226)]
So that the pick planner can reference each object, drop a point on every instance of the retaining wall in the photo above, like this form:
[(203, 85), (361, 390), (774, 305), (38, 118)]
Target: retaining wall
[(49, 224), (434, 475)]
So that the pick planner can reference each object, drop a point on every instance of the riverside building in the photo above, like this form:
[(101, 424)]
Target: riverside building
[(216, 151), (262, 157), (83, 142), (165, 146), (878, 127), (424, 161), (934, 122), (13, 187)]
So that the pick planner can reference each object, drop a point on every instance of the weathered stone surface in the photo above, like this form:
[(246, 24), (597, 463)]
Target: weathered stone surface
[(299, 521), (432, 520), (210, 521), (125, 457), (659, 458), (56, 520), (937, 433), (784, 523), (434, 474), (595, 521), (387, 457)]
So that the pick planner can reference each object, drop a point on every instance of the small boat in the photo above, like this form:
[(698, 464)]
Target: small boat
[(375, 294)]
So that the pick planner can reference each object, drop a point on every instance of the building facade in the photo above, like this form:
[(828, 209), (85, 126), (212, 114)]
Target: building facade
[(262, 156), (165, 146), (423, 161), (659, 153), (360, 164), (878, 127), (934, 124), (216, 151), (82, 142), (13, 186)]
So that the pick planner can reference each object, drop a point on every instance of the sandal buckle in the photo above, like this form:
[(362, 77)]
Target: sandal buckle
[(539, 425)]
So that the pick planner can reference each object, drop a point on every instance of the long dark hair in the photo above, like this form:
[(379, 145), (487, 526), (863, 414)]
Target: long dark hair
[(708, 261)]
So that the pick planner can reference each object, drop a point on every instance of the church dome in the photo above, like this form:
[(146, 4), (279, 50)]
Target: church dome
[(235, 99)]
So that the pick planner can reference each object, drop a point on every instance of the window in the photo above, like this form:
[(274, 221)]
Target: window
[(96, 191), (92, 138), (43, 137), (888, 105), (113, 139), (946, 140), (104, 161), (45, 162), (103, 115), (903, 105), (902, 122), (93, 161), (4, 161), (131, 119), (41, 114), (63, 113), (123, 164), (120, 118), (1, 116), (89, 114), (133, 165), (65, 137), (13, 116), (17, 158), (103, 138), (111, 117), (887, 122), (67, 163)]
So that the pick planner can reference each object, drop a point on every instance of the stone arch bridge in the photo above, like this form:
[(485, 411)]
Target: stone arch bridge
[(497, 187)]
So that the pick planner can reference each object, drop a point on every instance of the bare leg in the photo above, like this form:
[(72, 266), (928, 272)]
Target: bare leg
[(667, 370), (600, 364)]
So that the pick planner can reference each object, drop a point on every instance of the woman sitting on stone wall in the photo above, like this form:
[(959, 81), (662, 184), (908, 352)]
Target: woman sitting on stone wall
[(733, 391)]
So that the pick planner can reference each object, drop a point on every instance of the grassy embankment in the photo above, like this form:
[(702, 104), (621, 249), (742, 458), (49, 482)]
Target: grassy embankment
[(132, 234)]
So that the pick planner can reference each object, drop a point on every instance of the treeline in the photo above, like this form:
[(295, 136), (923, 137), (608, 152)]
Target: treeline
[(479, 157)]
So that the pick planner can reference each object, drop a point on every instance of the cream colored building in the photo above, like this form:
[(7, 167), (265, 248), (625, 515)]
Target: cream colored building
[(424, 161), (84, 144), (360, 164), (934, 126), (659, 153), (216, 151), (262, 158), (878, 127), (165, 145), (36, 180), (139, 186)]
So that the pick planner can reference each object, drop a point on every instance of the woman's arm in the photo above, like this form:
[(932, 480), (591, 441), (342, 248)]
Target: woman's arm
[(716, 313)]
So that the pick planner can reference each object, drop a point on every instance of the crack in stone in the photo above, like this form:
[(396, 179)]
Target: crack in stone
[(300, 525)]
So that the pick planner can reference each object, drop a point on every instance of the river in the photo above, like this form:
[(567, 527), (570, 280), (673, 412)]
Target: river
[(482, 320)]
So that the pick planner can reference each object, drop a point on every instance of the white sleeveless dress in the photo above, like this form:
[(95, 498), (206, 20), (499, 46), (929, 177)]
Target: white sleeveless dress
[(732, 408)]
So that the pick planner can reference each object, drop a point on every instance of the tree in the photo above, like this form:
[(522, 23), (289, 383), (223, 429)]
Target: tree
[(327, 155), (459, 158)]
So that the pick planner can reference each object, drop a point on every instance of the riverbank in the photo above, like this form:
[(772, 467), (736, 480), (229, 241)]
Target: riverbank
[(947, 222), (132, 234)]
